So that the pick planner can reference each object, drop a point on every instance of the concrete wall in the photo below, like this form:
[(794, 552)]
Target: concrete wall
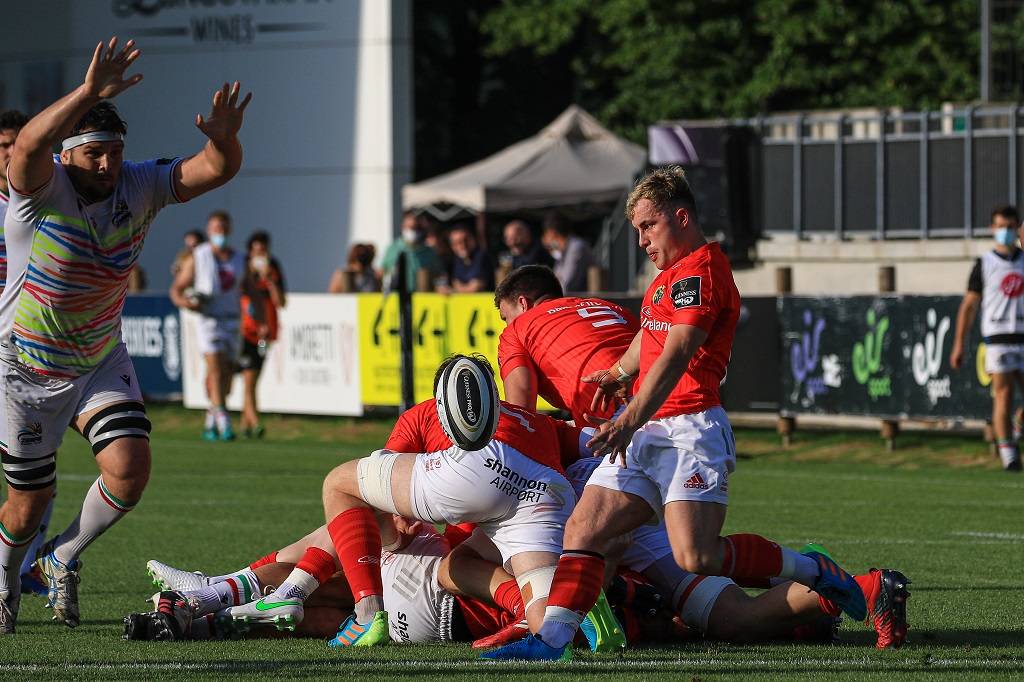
[(934, 266), (327, 137)]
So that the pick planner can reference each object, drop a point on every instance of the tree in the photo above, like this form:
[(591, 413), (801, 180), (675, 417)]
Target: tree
[(639, 61)]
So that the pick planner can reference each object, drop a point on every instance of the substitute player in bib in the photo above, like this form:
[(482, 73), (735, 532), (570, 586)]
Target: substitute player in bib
[(996, 286), (674, 440), (74, 230), (551, 341)]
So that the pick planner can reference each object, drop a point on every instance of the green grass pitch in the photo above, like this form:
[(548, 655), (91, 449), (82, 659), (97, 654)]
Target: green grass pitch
[(938, 508)]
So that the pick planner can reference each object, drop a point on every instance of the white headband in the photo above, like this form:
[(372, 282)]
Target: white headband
[(93, 136)]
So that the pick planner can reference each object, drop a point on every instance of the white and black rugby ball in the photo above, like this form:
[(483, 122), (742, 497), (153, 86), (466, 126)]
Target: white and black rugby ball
[(467, 403)]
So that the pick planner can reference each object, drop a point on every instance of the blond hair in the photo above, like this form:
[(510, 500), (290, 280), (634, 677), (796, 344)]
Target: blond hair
[(664, 187)]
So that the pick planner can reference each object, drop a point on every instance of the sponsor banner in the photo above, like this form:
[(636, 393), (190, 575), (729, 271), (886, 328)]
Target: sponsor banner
[(379, 342), (312, 368), (879, 356), (151, 330)]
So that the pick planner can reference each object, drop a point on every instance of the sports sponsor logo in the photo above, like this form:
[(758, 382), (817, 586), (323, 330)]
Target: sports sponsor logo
[(1012, 285), (653, 325), (470, 395), (401, 626), (264, 605), (926, 358), (31, 434), (696, 482), (686, 292), (658, 293), (514, 484)]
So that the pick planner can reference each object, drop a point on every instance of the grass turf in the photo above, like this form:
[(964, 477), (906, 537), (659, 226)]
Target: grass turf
[(938, 508)]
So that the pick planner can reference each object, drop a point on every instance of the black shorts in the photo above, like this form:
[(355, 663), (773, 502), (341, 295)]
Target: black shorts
[(251, 356)]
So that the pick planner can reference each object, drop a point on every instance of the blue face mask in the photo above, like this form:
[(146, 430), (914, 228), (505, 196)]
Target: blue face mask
[(218, 240), (1006, 236)]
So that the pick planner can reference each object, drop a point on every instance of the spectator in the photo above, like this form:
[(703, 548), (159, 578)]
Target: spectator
[(193, 238), (262, 294), (358, 274), (523, 248), (995, 285), (419, 256), (208, 283), (572, 254), (472, 269)]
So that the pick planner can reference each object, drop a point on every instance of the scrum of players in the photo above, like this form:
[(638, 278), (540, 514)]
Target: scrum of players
[(504, 481)]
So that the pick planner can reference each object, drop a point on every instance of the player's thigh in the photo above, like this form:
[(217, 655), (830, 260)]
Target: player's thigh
[(1002, 384), (603, 514), (693, 529)]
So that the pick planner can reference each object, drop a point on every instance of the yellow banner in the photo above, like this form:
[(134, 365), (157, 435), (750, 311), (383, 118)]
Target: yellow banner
[(460, 323)]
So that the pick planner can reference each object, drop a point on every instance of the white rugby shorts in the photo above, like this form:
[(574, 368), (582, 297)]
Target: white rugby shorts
[(217, 335), (687, 457), (520, 504), (40, 409), (419, 611), (1002, 358)]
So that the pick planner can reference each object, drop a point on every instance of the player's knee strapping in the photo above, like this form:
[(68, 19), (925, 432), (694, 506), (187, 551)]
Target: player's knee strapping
[(122, 420), (375, 480), (535, 585), (29, 473)]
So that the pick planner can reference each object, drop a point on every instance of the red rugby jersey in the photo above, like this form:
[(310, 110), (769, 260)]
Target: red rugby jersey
[(563, 340), (698, 290), (545, 440)]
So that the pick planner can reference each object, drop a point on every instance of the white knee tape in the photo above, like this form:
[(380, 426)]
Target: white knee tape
[(375, 480), (695, 611), (535, 585)]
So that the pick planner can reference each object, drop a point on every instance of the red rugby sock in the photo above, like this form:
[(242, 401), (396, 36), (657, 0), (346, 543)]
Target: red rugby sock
[(269, 559), (749, 557), (508, 597), (356, 539)]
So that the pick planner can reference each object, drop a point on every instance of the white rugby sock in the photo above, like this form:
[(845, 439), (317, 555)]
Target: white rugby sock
[(12, 551), (211, 418), (100, 511), (798, 568), (223, 420), (232, 591)]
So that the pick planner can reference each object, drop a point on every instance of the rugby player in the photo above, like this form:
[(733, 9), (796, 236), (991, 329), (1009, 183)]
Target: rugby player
[(74, 229), (512, 488), (674, 440), (551, 341), (11, 123)]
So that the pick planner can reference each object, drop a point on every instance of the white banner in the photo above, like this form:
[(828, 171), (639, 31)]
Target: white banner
[(312, 368)]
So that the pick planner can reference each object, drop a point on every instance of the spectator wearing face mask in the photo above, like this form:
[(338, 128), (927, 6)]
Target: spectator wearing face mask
[(419, 256), (573, 256), (262, 296), (208, 283)]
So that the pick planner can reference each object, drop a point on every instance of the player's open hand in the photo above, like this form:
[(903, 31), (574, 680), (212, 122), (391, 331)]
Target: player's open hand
[(956, 357), (611, 391), (612, 439), (225, 119), (105, 77)]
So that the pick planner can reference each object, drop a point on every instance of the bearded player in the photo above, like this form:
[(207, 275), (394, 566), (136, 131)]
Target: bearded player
[(673, 439), (74, 230)]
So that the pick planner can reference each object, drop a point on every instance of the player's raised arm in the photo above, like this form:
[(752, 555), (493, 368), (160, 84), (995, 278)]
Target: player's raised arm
[(221, 158), (31, 162)]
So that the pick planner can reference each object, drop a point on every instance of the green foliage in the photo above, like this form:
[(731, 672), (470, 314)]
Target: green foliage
[(639, 61)]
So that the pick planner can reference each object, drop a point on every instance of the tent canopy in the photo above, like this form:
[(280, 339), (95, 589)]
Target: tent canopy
[(574, 160)]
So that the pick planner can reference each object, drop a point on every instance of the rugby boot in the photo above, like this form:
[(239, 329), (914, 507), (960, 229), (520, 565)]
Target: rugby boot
[(887, 596), (210, 433), (839, 586), (9, 604), (283, 614), (513, 632), (33, 582), (531, 648), (62, 584), (602, 629), (351, 633), (169, 578)]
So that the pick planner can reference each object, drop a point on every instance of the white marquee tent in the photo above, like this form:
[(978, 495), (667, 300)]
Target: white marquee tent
[(574, 160)]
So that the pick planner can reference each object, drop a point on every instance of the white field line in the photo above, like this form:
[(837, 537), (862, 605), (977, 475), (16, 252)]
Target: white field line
[(993, 536), (674, 665)]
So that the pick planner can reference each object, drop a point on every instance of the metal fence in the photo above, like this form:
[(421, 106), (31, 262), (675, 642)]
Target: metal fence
[(888, 174)]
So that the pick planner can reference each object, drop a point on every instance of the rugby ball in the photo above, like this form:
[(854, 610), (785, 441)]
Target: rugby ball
[(467, 403)]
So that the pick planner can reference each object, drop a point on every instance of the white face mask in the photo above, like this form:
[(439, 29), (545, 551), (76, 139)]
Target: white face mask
[(1006, 236), (218, 240), (259, 263), (411, 236)]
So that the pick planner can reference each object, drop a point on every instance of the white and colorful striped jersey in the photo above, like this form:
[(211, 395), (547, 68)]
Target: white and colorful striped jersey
[(68, 266)]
